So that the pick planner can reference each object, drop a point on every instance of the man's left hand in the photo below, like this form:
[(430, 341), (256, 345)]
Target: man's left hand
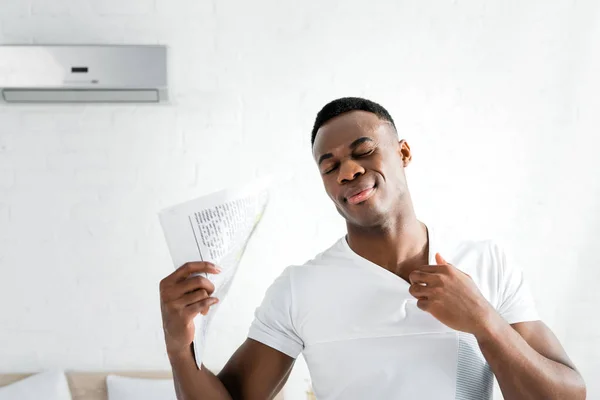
[(450, 296)]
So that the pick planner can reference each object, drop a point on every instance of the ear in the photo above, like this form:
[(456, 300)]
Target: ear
[(405, 153)]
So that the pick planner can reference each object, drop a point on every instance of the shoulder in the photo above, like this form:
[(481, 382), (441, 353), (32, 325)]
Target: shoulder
[(332, 257), (470, 254), (489, 252), (314, 275), (483, 260), (466, 251)]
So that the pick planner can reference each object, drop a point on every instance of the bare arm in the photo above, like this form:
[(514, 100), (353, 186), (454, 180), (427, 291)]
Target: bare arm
[(255, 371), (529, 361), (192, 383)]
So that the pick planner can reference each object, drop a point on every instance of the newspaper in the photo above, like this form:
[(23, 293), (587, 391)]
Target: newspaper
[(214, 228)]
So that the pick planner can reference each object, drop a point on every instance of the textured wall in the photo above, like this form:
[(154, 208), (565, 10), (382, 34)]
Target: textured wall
[(497, 99)]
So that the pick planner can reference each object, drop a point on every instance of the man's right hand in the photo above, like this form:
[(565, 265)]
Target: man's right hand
[(182, 297)]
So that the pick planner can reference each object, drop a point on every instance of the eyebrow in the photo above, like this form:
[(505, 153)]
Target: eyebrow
[(352, 146)]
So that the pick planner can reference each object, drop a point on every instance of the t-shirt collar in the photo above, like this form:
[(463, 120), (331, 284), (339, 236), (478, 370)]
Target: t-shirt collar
[(345, 247)]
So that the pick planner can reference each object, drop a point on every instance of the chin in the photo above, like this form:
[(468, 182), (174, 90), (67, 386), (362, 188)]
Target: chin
[(364, 218)]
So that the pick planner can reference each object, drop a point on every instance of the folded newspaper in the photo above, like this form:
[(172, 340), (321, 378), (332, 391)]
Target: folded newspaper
[(214, 228)]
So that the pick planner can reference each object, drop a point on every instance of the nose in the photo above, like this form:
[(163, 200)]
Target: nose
[(349, 170)]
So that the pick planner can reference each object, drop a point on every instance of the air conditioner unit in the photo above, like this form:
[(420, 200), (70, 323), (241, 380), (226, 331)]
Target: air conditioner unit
[(83, 74)]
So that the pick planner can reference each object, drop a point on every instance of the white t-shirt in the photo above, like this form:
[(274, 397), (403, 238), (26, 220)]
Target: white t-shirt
[(363, 336)]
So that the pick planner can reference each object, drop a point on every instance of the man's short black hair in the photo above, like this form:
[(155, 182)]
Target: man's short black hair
[(347, 104)]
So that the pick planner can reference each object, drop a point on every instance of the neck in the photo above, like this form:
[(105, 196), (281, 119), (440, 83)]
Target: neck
[(400, 246)]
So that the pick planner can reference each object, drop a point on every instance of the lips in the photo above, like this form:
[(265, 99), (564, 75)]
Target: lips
[(359, 195)]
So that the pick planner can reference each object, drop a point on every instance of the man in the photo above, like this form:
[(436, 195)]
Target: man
[(387, 312)]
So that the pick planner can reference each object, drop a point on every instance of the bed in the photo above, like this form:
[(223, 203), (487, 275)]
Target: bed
[(92, 385)]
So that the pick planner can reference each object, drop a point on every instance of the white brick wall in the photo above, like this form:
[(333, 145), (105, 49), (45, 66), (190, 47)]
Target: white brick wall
[(497, 99)]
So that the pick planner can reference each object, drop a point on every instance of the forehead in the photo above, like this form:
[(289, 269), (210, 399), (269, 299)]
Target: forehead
[(342, 130)]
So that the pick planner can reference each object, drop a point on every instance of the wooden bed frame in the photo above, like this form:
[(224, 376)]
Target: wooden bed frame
[(92, 385)]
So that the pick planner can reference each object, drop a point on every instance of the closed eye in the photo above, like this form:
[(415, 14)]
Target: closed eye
[(364, 154), (367, 153), (330, 170)]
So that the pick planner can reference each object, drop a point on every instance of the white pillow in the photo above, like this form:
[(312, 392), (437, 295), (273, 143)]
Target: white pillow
[(49, 385), (124, 388)]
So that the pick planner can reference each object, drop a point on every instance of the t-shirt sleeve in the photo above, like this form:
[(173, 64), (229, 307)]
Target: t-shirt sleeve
[(516, 302), (273, 319)]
